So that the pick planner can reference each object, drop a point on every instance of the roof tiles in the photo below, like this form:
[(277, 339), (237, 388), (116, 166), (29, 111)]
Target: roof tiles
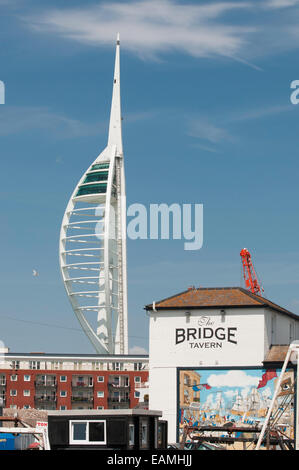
[(216, 297)]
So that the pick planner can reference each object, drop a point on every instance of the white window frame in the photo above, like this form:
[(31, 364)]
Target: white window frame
[(144, 433), (137, 379), (13, 394), (101, 377), (102, 392), (87, 441), (62, 392), (27, 378), (14, 378), (26, 394), (131, 438), (63, 377)]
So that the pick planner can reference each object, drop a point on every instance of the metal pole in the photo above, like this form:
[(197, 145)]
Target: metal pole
[(273, 399)]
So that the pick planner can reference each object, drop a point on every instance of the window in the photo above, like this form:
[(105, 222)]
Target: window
[(63, 393), (96, 176), (26, 393), (131, 434), (138, 366), (292, 331), (26, 378), (136, 394), (137, 380), (26, 407), (63, 407), (88, 432), (100, 166), (117, 366), (56, 365), (13, 378), (15, 364), (13, 393), (144, 434), (101, 378), (63, 378), (100, 407), (100, 394), (92, 189), (34, 365)]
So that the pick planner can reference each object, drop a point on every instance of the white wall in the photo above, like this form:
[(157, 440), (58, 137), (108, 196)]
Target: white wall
[(247, 329)]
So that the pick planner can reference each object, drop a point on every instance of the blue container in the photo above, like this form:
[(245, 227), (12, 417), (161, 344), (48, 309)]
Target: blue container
[(7, 441)]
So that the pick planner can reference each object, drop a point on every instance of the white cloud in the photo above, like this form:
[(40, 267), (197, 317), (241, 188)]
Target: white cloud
[(233, 378), (137, 350), (205, 130), (280, 3), (17, 119), (151, 27)]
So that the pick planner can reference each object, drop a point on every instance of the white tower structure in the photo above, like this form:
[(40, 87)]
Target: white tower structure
[(93, 242)]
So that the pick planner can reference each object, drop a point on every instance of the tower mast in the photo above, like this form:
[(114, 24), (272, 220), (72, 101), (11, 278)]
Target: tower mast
[(94, 231)]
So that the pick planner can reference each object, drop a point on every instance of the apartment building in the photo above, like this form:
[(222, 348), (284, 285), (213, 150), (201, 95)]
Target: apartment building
[(70, 381)]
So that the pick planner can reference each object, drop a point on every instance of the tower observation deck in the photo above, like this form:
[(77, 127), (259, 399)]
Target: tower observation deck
[(92, 249)]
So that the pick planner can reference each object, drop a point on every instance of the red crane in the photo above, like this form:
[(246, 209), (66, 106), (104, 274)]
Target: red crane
[(251, 280)]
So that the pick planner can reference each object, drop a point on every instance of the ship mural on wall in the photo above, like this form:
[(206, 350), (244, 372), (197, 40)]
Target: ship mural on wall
[(240, 396)]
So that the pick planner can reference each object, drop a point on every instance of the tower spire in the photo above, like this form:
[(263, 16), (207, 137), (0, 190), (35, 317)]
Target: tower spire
[(115, 133)]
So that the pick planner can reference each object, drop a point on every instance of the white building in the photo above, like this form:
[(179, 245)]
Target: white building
[(93, 242), (223, 335)]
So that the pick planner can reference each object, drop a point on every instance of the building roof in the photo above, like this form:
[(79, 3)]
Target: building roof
[(78, 356), (216, 297), (277, 353), (120, 412)]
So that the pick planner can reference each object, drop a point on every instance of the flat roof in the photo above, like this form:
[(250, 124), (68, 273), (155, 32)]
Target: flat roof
[(75, 356), (120, 412)]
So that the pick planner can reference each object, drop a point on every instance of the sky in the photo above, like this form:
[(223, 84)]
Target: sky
[(207, 119)]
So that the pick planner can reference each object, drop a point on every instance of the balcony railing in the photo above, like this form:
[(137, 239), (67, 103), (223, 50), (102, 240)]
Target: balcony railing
[(82, 399), (118, 385), (45, 399), (119, 381), (80, 383), (118, 400), (141, 385), (45, 383)]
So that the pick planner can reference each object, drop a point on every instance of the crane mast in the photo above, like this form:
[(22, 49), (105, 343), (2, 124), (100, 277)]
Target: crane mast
[(251, 280)]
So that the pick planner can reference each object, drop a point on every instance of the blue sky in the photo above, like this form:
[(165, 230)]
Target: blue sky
[(207, 119)]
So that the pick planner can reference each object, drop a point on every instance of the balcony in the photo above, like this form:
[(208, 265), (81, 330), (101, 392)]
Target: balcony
[(45, 398), (45, 381), (141, 385), (82, 399), (118, 403), (85, 381), (119, 381)]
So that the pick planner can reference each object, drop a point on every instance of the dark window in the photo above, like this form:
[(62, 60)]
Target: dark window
[(100, 166), (96, 432), (92, 189), (79, 431), (100, 176)]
